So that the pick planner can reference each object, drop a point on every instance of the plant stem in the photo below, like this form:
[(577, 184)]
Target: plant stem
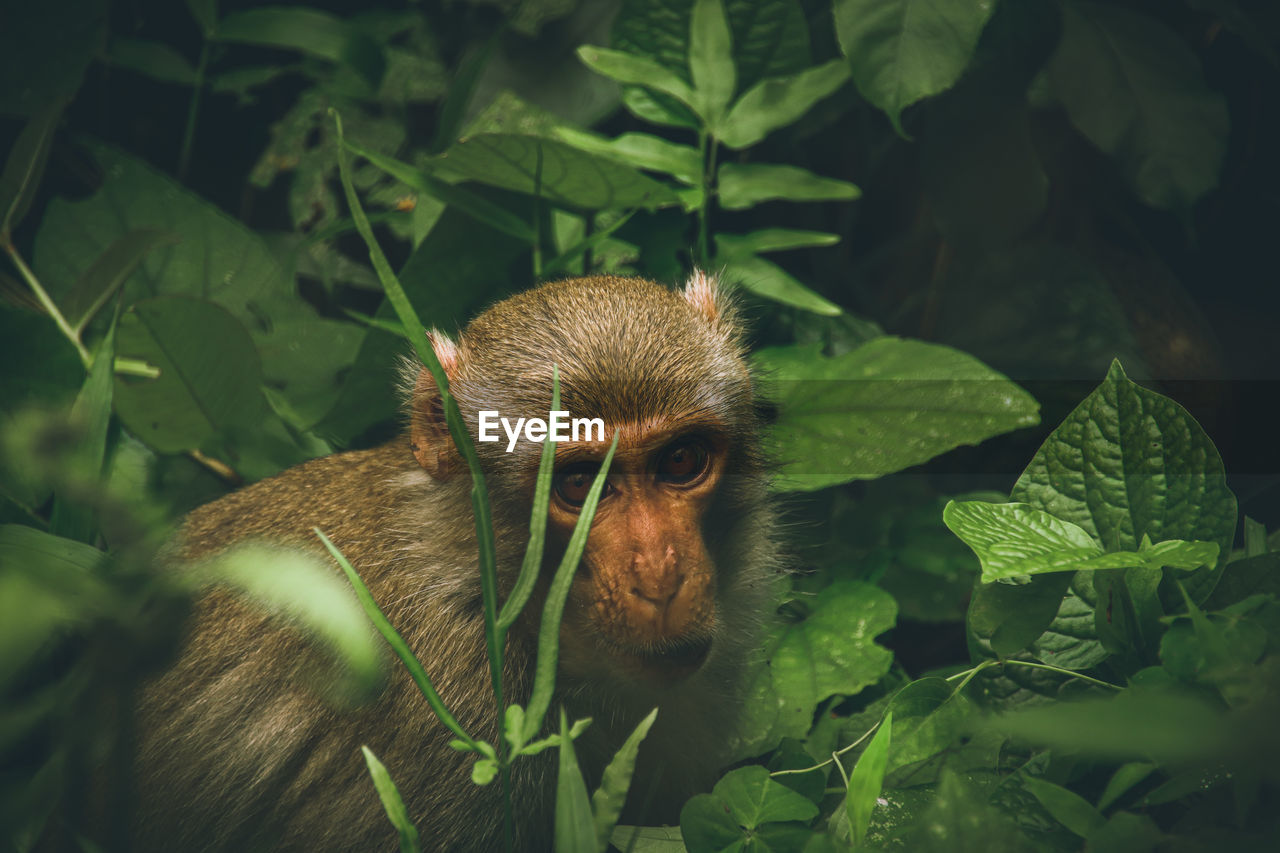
[(537, 215), (706, 153), (193, 109), (46, 302)]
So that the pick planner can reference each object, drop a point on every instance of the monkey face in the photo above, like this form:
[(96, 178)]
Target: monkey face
[(644, 599)]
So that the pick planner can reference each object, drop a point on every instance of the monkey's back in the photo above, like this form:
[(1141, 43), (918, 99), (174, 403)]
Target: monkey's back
[(238, 751)]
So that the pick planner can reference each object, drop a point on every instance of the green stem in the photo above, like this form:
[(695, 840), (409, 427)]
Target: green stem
[(193, 109), (46, 302), (706, 155), (537, 216)]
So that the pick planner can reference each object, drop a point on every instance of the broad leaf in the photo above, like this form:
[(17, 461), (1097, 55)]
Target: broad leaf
[(738, 810), (831, 652), (904, 50), (1136, 90), (310, 31), (887, 405), (209, 373)]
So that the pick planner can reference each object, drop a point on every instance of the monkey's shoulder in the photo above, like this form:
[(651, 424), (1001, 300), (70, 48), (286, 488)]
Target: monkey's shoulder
[(343, 494)]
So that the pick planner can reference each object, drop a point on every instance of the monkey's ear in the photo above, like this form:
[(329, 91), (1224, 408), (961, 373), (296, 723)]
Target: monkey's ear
[(428, 430), (707, 296)]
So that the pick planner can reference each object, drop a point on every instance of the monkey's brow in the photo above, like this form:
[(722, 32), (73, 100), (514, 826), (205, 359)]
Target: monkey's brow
[(644, 437)]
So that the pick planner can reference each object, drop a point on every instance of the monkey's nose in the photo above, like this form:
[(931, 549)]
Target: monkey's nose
[(660, 591)]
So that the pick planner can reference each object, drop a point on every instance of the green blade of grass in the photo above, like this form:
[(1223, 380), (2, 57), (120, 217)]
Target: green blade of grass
[(537, 525), (544, 678), (399, 646), (461, 438), (391, 801)]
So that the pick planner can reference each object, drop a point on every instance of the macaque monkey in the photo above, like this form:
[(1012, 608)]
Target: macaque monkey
[(237, 752)]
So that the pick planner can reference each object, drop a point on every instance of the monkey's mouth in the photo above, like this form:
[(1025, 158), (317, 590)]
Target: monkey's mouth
[(676, 658)]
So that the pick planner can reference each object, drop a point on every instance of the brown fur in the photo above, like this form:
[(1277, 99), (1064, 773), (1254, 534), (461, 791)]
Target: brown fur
[(238, 753)]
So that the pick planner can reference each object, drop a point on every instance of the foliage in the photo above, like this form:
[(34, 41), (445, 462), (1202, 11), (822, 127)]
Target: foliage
[(1005, 188)]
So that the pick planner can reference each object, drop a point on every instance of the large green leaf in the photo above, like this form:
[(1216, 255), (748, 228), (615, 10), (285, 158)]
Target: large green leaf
[(1013, 540), (887, 405), (1129, 463), (209, 373), (904, 50), (777, 102), (218, 260), (1135, 89), (568, 176), (767, 279), (831, 652)]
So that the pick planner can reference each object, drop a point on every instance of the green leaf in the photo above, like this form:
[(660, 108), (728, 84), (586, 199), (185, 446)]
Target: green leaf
[(152, 58), (1009, 618), (1067, 807), (738, 808), (1015, 539), (109, 272), (575, 829), (777, 102), (772, 240), (309, 31), (929, 715), (209, 373), (47, 47), (391, 802), (711, 60), (218, 260), (1136, 90), (473, 205), (831, 652), (743, 185), (641, 151), (484, 771), (867, 779), (569, 176), (299, 585), (205, 13), (1123, 780), (1129, 463), (637, 70), (767, 279), (901, 51), (24, 167), (609, 798), (884, 406)]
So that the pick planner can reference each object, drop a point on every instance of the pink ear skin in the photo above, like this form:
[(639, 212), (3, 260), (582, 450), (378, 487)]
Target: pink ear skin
[(428, 431)]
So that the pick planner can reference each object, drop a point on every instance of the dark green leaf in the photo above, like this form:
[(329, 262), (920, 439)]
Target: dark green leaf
[(209, 373), (109, 272), (152, 58), (743, 185), (1136, 90), (831, 652), (867, 779), (44, 51), (569, 176), (92, 414), (637, 70), (743, 802), (1067, 807), (884, 406), (309, 31), (641, 151), (777, 102), (767, 279), (929, 715), (904, 50), (24, 167)]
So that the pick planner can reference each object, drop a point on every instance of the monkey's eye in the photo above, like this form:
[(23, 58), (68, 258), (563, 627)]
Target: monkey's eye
[(573, 483), (683, 462)]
